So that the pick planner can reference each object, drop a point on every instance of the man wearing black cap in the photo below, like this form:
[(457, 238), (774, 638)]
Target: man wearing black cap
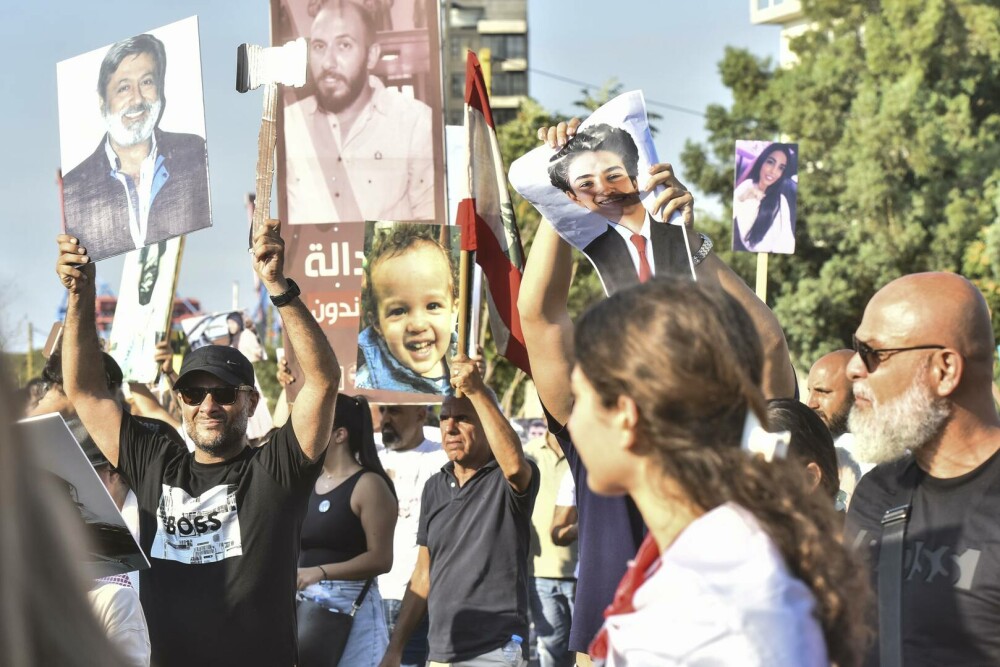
[(220, 525)]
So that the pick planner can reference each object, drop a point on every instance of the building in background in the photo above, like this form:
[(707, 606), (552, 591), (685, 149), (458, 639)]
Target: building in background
[(786, 13), (501, 26)]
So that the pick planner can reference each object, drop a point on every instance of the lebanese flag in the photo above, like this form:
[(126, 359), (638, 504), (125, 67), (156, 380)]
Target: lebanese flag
[(487, 219)]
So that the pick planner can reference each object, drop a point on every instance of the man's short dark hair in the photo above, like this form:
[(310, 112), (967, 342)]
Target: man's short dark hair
[(52, 373), (601, 137), (132, 46), (340, 6)]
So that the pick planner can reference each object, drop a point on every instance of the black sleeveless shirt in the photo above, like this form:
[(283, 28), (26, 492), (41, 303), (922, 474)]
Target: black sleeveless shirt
[(334, 535)]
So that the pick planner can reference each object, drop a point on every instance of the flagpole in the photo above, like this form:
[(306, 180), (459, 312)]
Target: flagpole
[(463, 307)]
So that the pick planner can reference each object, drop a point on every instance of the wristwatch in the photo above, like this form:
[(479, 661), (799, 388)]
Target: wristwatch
[(287, 296), (702, 253)]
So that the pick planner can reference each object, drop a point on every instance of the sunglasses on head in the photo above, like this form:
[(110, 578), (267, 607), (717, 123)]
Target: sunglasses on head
[(220, 395), (872, 357)]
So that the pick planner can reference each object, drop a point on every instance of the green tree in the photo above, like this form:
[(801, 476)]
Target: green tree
[(610, 89), (895, 105)]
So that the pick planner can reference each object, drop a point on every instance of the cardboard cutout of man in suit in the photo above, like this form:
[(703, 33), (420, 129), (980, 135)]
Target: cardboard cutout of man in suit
[(598, 170)]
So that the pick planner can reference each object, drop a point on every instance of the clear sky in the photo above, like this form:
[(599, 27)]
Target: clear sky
[(667, 48)]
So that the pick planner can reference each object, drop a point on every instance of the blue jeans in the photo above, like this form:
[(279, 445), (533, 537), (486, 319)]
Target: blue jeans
[(551, 613), (415, 651), (369, 637)]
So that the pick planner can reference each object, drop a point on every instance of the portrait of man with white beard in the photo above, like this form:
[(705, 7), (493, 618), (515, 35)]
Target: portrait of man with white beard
[(141, 184)]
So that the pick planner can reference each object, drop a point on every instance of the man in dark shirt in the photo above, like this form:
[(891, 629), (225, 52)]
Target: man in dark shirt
[(220, 525), (923, 412), (475, 516)]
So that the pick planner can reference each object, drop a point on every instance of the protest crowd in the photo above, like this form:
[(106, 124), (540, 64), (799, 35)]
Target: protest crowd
[(683, 500)]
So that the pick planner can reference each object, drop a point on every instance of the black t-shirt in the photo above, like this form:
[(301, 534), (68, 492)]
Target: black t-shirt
[(223, 541), (610, 531), (478, 536), (951, 564)]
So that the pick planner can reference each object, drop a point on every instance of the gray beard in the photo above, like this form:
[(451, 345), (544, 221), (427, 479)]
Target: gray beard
[(231, 437), (885, 432), (130, 136)]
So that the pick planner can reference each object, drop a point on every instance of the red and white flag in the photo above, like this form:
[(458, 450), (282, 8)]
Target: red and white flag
[(486, 216)]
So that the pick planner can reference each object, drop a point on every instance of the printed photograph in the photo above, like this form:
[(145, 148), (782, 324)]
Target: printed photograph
[(74, 467), (765, 196), (409, 308), (363, 139), (145, 306), (590, 191), (132, 141)]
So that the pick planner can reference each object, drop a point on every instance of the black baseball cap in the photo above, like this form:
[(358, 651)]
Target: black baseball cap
[(224, 362)]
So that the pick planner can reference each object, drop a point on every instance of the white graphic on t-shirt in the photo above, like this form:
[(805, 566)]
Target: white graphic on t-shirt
[(202, 529)]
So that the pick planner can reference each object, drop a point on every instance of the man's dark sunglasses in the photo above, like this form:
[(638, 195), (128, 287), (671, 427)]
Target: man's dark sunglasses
[(872, 357), (220, 395)]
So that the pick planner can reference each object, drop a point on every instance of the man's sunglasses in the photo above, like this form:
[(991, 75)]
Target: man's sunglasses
[(220, 395), (872, 357)]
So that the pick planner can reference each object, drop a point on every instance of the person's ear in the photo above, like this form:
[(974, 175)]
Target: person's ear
[(813, 475), (254, 399), (572, 197), (627, 419), (340, 435), (374, 53), (947, 367)]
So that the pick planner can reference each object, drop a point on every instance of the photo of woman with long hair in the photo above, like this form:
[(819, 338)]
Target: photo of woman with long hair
[(764, 199)]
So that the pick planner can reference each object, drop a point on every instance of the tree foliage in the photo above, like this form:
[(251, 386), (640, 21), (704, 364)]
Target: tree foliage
[(895, 105), (610, 89)]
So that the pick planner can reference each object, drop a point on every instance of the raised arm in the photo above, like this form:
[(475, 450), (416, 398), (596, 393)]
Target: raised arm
[(545, 320), (82, 366), (779, 377), (503, 441), (312, 419)]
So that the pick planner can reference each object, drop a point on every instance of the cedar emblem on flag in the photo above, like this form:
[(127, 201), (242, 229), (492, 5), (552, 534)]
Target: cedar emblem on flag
[(486, 216)]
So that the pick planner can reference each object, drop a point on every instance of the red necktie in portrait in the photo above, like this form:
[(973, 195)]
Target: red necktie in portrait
[(645, 273)]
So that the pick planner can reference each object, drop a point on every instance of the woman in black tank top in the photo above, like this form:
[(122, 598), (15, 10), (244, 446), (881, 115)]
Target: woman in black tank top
[(347, 532)]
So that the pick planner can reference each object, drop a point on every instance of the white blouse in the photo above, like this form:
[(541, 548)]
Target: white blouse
[(720, 595)]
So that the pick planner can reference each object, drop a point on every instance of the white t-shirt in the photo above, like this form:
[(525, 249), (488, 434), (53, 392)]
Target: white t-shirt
[(409, 471), (118, 610), (566, 495), (720, 595)]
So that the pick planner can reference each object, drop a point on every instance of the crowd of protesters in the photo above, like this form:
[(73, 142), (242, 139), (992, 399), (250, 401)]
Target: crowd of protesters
[(681, 502)]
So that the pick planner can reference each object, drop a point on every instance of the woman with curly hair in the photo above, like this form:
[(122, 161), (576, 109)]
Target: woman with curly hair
[(741, 564)]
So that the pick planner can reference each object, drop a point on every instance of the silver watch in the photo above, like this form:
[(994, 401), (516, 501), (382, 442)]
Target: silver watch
[(702, 253)]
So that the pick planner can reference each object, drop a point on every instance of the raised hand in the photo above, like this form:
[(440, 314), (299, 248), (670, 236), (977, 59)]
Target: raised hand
[(674, 197), (556, 136), (74, 267), (269, 256), (465, 375)]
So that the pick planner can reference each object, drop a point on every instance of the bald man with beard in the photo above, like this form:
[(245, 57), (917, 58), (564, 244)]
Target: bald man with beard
[(831, 395), (830, 390), (924, 412)]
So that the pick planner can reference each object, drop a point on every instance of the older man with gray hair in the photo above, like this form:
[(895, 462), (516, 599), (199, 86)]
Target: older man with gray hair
[(923, 410), (141, 185)]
